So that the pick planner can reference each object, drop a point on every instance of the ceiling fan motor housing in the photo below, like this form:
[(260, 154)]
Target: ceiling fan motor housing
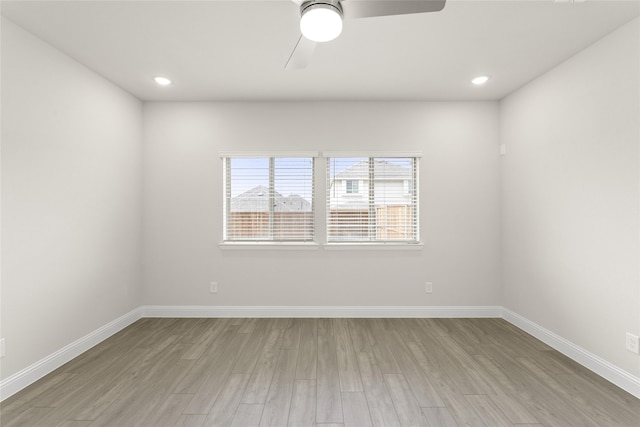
[(314, 4)]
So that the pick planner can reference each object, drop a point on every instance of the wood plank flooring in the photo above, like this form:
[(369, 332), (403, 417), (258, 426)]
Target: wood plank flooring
[(321, 372)]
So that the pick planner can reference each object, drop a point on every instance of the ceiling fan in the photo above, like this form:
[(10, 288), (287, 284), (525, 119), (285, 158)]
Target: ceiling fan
[(321, 20)]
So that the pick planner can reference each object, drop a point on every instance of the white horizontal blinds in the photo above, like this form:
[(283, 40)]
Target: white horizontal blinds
[(372, 199), (293, 206), (269, 199)]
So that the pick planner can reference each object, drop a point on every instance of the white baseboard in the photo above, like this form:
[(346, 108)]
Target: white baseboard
[(319, 311), (610, 372), (29, 375), (33, 373)]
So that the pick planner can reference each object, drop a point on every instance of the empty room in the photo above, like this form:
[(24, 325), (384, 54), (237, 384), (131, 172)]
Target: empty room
[(343, 213)]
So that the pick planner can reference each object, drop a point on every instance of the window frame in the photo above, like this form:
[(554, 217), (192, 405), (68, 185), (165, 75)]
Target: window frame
[(320, 178), (413, 193), (267, 242)]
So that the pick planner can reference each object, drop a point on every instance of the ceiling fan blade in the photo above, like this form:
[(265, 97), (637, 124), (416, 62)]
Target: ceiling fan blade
[(370, 8), (301, 55)]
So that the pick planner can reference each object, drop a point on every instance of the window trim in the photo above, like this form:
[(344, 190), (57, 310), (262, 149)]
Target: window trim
[(374, 246), (275, 154), (367, 154), (268, 245), (320, 228)]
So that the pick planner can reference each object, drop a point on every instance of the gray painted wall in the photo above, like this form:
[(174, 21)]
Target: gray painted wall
[(458, 199), (571, 198), (71, 201)]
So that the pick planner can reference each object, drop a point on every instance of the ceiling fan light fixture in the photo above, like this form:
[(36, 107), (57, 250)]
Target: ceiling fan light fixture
[(321, 21)]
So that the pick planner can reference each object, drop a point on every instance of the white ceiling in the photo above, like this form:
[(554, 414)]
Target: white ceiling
[(236, 50)]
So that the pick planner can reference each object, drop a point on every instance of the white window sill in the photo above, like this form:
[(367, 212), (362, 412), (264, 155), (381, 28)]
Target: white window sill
[(375, 246), (268, 246)]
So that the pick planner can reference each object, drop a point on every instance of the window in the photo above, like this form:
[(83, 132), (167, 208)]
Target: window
[(353, 187), (268, 199), (388, 210)]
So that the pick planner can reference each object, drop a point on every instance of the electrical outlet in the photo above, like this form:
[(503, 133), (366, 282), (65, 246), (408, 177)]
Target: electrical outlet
[(632, 343), (2, 347), (428, 287), (213, 287)]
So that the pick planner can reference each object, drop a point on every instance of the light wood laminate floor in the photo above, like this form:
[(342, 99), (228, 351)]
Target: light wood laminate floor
[(321, 372)]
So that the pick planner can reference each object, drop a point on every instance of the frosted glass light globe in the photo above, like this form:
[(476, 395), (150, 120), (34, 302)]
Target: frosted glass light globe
[(321, 23)]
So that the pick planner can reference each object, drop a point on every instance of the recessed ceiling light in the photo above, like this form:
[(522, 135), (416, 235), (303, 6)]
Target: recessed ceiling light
[(162, 81), (480, 80)]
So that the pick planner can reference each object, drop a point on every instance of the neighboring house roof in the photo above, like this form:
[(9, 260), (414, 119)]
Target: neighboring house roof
[(381, 169), (257, 200)]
